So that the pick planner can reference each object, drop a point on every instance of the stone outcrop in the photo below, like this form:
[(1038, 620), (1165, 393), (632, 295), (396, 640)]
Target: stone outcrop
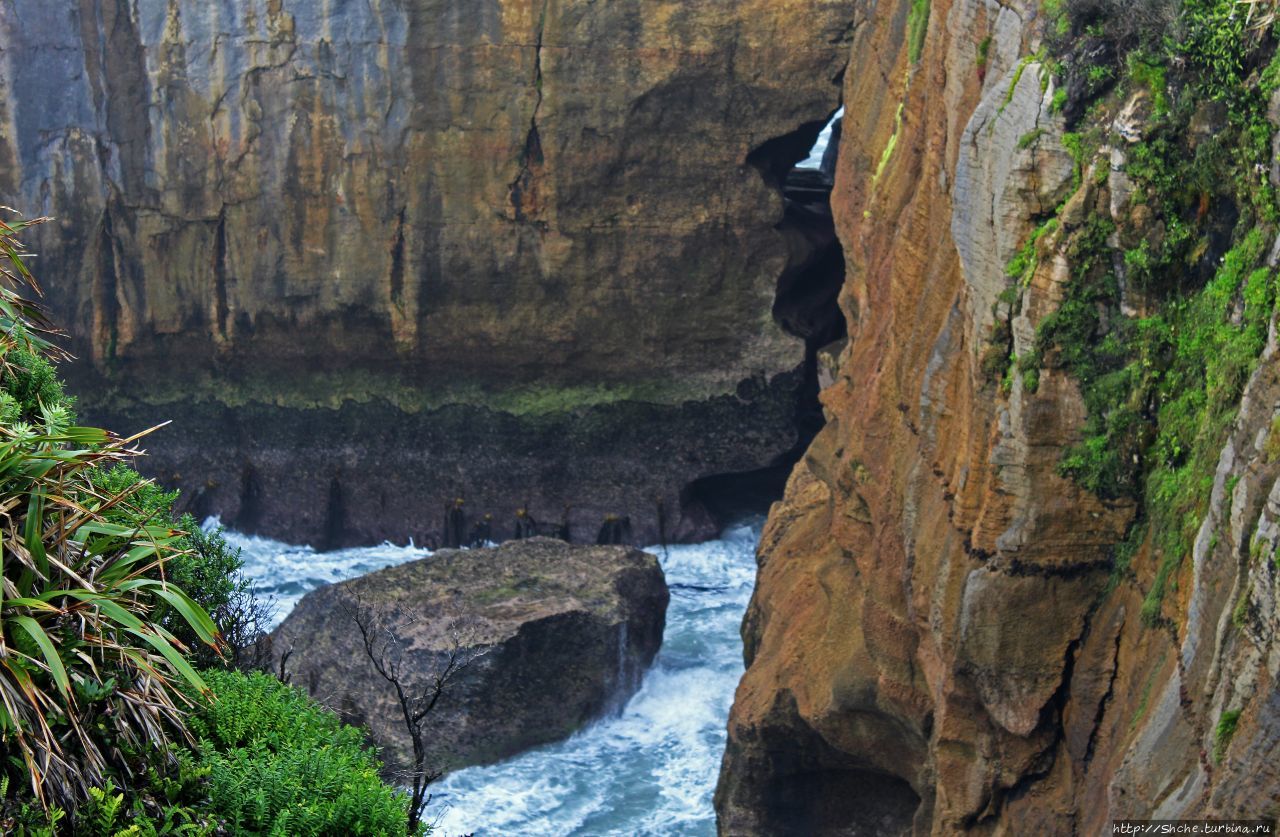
[(374, 256), (552, 636), (936, 643)]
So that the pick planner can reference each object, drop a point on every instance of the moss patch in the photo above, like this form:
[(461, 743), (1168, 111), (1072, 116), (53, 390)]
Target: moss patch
[(1223, 733), (917, 28)]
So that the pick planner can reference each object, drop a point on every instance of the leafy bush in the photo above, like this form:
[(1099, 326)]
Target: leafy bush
[(280, 764), (207, 567), (30, 384), (87, 678)]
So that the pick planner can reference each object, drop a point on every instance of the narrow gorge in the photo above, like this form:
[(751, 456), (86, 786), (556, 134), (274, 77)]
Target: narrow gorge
[(1004, 361)]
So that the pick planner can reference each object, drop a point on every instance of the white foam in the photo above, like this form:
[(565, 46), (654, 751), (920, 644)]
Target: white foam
[(286, 573), (814, 160), (651, 769)]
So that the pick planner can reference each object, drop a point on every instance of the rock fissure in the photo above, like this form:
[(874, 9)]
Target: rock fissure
[(531, 157), (1104, 703), (804, 306), (221, 312)]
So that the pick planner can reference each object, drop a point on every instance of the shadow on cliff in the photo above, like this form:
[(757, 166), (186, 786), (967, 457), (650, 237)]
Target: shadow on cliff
[(805, 306)]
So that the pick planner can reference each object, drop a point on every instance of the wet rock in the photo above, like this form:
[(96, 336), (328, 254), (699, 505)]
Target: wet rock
[(472, 226), (557, 635)]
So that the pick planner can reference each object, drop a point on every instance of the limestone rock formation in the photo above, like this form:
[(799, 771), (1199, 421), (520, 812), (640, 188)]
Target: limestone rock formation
[(936, 643), (373, 256), (555, 636)]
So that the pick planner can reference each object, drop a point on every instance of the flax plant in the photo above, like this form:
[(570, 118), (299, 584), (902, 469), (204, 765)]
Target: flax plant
[(89, 682)]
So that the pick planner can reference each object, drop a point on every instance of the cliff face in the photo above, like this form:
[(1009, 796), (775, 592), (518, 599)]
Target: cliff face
[(373, 256), (945, 636)]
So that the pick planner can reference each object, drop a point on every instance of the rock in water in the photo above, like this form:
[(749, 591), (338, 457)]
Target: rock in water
[(559, 633)]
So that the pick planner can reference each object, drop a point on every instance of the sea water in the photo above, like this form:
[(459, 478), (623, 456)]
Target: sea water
[(649, 769), (814, 160)]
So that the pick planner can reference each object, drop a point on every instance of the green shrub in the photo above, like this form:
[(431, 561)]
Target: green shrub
[(207, 568), (280, 764), (1223, 733), (87, 680), (29, 381)]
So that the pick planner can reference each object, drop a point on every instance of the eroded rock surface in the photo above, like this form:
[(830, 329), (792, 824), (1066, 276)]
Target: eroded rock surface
[(373, 256), (936, 644), (555, 636)]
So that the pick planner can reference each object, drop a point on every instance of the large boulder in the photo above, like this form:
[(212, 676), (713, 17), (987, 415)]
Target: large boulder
[(556, 635)]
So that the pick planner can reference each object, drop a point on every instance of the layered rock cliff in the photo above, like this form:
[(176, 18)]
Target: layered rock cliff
[(370, 257), (1021, 582)]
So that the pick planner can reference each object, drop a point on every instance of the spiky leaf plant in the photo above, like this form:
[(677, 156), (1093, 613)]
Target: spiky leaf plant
[(88, 680)]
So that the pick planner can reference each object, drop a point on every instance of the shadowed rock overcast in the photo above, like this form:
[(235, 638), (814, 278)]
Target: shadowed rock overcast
[(374, 256)]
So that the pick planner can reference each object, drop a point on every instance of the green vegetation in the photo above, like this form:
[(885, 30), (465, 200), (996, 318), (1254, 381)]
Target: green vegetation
[(1023, 264), (280, 764), (88, 681), (984, 52), (1240, 614), (1059, 100), (1029, 138), (1223, 733), (268, 760), (889, 146), (1140, 712), (1149, 72), (917, 27), (1013, 82), (1271, 450), (1162, 388), (204, 564)]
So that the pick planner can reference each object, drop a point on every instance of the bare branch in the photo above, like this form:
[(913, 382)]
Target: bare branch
[(384, 650)]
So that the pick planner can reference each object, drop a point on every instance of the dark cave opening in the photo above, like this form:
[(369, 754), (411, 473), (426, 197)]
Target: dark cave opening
[(805, 305), (848, 803)]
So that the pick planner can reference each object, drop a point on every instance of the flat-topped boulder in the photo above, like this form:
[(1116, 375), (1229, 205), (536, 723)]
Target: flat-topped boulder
[(556, 635)]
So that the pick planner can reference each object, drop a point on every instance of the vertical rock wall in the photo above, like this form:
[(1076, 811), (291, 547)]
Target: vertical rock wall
[(935, 645), (370, 256)]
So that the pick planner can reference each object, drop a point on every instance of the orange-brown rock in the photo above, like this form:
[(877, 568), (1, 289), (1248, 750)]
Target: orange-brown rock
[(934, 646), (372, 256)]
